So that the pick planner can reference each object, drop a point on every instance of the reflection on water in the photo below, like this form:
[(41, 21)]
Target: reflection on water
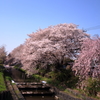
[(34, 90), (39, 97)]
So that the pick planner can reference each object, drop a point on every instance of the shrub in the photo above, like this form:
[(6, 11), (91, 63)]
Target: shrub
[(8, 78), (93, 86)]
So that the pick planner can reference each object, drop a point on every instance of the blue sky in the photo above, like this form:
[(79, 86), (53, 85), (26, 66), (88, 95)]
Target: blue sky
[(21, 17)]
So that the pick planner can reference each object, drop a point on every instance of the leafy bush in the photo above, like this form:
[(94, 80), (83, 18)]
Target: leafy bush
[(1, 68), (8, 78), (40, 78), (60, 79), (93, 86)]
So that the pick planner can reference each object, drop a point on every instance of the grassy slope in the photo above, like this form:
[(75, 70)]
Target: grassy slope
[(2, 83)]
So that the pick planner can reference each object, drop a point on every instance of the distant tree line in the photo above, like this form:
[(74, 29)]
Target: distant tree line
[(2, 54)]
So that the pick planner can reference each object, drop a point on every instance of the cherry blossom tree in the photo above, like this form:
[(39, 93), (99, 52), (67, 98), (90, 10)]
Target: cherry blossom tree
[(88, 62), (51, 45), (2, 54), (14, 57)]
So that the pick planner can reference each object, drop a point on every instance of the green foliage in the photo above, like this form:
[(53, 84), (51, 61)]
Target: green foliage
[(16, 67), (63, 77), (72, 82), (17, 91), (20, 69), (1, 61), (1, 68), (93, 86), (40, 78), (75, 94), (36, 77), (60, 79), (8, 78), (13, 83), (42, 71), (2, 83)]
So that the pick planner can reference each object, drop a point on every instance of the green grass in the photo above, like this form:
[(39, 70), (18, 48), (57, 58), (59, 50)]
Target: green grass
[(78, 95), (93, 86), (40, 78), (20, 69), (1, 68), (8, 78), (2, 83), (49, 81)]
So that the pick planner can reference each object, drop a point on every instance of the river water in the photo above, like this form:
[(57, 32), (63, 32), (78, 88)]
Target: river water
[(39, 97)]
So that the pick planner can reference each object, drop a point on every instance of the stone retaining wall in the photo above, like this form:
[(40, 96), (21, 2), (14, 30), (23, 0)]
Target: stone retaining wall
[(64, 96), (10, 88), (5, 95), (15, 93)]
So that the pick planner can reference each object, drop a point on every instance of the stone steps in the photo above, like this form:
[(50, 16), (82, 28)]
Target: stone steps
[(32, 87), (37, 93)]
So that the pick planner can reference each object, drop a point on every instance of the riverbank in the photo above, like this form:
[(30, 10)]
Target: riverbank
[(4, 93), (63, 92), (2, 81)]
